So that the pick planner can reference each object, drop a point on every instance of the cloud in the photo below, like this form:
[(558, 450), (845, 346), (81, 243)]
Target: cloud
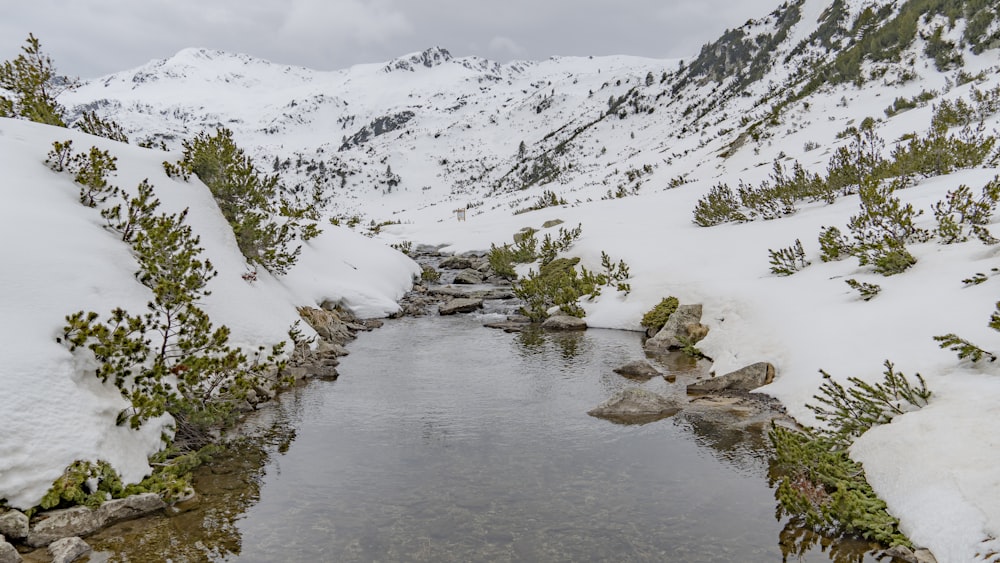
[(93, 37)]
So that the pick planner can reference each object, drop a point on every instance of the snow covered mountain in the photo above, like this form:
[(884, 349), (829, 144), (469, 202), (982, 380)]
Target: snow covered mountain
[(630, 145)]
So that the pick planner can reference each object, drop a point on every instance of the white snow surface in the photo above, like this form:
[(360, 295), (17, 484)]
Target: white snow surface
[(937, 468), (58, 259)]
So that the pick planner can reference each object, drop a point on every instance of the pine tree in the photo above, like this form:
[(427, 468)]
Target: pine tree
[(265, 224), (30, 78)]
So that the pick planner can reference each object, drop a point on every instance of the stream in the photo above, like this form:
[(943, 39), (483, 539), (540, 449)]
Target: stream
[(446, 441)]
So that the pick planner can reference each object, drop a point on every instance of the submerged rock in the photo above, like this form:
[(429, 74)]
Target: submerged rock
[(460, 305), (635, 405), (8, 554), (564, 322), (68, 550), (682, 328), (639, 369), (743, 379), (13, 524)]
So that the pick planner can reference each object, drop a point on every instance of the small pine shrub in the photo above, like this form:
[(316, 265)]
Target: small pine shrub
[(966, 350), (867, 290), (818, 484), (787, 261), (976, 279), (655, 318), (90, 170), (833, 245), (960, 214), (30, 81), (92, 124), (883, 228), (265, 222), (719, 205)]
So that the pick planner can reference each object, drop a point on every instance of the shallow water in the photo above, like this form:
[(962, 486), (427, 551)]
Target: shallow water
[(445, 441)]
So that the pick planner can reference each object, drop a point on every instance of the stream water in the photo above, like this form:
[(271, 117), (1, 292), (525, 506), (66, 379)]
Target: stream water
[(446, 441)]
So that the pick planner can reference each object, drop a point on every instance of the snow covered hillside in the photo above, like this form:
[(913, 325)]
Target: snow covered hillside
[(58, 259), (630, 145)]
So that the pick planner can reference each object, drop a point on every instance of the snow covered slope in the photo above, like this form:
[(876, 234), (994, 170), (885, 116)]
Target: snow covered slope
[(58, 259), (631, 144)]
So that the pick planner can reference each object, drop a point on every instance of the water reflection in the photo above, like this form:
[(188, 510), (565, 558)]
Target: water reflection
[(446, 442)]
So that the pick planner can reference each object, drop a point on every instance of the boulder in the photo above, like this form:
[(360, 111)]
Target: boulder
[(552, 223), (460, 305), (636, 405), (8, 553), (14, 524), (68, 550), (328, 324), (744, 379), (637, 370), (564, 322), (65, 523), (83, 521), (456, 263), (904, 553), (683, 327), (468, 277)]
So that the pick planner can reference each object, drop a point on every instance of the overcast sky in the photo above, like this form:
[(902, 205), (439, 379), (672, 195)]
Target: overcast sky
[(90, 38)]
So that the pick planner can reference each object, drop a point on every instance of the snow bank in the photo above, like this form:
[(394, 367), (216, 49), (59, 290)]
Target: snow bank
[(939, 461), (57, 259)]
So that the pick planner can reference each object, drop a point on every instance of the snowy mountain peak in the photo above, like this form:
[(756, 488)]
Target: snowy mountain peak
[(429, 58)]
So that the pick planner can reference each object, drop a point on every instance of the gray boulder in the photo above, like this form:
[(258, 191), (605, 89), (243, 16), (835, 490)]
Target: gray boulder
[(468, 277), (904, 553), (684, 325), (460, 305), (637, 370), (68, 550), (8, 554), (635, 405), (456, 263), (564, 322), (744, 379), (14, 524), (83, 521)]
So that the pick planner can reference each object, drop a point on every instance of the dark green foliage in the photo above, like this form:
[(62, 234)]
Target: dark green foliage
[(851, 411), (862, 159), (265, 223), (555, 284), (126, 221), (940, 153), (562, 242), (83, 483), (90, 170), (503, 258), (833, 245), (821, 487), (94, 125), (429, 274), (787, 261), (960, 214), (612, 274), (655, 318), (867, 290), (944, 52), (976, 279), (30, 79), (547, 199), (882, 229), (966, 350), (718, 206), (170, 359)]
